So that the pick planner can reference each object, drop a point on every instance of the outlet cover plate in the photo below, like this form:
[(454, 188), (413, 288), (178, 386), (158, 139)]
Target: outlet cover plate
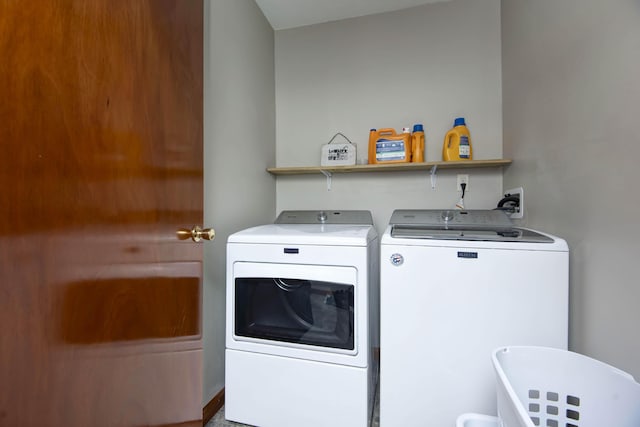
[(462, 178), (519, 214)]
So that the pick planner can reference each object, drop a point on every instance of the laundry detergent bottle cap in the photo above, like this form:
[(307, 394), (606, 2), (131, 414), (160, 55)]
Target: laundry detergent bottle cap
[(457, 142)]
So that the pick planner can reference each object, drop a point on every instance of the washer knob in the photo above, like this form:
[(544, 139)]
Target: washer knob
[(447, 215), (322, 216)]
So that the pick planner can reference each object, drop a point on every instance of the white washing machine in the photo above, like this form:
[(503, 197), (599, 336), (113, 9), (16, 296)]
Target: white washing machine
[(455, 285), (302, 321)]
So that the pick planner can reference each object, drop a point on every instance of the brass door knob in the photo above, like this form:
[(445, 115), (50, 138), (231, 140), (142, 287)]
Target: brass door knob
[(196, 234)]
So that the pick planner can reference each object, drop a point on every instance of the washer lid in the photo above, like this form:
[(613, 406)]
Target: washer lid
[(513, 234), (325, 217), (471, 225)]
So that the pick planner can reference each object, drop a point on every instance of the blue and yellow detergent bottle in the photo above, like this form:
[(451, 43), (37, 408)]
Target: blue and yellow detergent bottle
[(457, 142)]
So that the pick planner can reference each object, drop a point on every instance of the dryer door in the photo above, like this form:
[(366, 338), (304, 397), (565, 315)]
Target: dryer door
[(298, 306), (292, 310)]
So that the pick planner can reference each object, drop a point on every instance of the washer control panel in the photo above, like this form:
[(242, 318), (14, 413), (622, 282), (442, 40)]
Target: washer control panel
[(444, 218)]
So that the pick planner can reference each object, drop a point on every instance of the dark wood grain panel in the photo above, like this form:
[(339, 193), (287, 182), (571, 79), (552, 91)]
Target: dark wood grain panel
[(101, 136), (86, 88), (100, 311)]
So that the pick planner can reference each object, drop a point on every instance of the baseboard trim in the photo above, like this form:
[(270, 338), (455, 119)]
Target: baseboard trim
[(211, 408)]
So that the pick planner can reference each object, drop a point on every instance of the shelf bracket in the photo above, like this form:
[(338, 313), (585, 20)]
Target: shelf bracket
[(328, 175), (434, 176)]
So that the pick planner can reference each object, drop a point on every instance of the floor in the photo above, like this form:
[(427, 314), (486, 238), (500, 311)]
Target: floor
[(219, 421)]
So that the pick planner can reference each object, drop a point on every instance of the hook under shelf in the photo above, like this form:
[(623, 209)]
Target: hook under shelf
[(434, 176), (328, 175)]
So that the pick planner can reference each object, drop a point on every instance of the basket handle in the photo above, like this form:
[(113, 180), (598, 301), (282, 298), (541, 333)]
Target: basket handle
[(387, 131)]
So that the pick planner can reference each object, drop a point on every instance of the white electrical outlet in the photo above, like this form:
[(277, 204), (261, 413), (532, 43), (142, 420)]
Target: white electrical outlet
[(519, 192), (463, 179)]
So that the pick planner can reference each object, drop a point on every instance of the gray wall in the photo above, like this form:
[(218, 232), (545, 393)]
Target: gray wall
[(427, 64), (571, 105), (239, 135)]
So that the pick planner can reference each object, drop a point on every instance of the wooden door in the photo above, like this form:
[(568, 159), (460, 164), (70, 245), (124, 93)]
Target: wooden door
[(100, 164)]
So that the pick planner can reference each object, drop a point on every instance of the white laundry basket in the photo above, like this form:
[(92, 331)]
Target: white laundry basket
[(539, 386), (477, 420)]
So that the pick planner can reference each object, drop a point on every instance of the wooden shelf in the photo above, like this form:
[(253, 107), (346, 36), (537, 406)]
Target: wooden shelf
[(393, 167)]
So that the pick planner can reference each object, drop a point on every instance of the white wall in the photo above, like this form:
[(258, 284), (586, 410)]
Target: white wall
[(239, 126), (571, 106), (427, 64)]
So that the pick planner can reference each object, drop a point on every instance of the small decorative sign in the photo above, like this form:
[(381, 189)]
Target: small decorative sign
[(338, 154)]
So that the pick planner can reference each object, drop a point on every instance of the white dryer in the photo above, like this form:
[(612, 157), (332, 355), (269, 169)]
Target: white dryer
[(302, 321), (455, 285)]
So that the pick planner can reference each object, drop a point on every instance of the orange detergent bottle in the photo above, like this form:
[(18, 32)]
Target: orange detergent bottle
[(457, 142), (417, 144), (386, 146)]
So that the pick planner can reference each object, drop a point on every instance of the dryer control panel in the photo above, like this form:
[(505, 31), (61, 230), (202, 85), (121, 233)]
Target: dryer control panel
[(325, 217)]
